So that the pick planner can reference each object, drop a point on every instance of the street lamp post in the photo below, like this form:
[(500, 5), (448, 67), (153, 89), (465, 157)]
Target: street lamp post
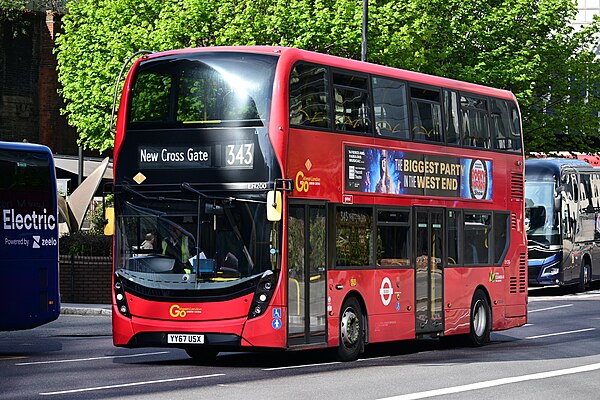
[(80, 166), (365, 16)]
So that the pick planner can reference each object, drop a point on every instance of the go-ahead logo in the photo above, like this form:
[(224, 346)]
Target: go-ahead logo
[(304, 182), (176, 311)]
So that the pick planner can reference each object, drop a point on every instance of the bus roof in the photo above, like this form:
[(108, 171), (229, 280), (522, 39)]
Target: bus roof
[(591, 158), (24, 147), (552, 166), (293, 54)]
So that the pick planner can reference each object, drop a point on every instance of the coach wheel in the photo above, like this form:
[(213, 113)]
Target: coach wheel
[(584, 277), (481, 320), (202, 354), (351, 331)]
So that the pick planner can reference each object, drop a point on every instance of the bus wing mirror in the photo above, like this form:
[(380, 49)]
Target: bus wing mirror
[(274, 205), (558, 195), (557, 201), (109, 215)]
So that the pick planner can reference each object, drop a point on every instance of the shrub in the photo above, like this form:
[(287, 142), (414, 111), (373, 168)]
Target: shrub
[(97, 221), (85, 244)]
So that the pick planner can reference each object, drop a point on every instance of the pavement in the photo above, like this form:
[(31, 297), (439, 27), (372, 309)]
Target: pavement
[(85, 309)]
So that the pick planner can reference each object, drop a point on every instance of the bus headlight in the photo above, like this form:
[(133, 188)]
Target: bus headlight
[(550, 270), (121, 298), (262, 296)]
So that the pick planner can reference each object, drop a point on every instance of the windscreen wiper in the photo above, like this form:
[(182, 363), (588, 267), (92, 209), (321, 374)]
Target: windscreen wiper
[(135, 192), (128, 189), (535, 242), (186, 186)]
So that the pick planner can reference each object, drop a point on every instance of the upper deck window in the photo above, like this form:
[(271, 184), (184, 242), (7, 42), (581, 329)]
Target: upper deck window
[(426, 114), (203, 89), (331, 99), (475, 128), (309, 96), (451, 117), (351, 103), (504, 119), (391, 107)]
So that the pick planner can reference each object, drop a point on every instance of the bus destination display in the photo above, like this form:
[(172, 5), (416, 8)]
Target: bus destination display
[(234, 155)]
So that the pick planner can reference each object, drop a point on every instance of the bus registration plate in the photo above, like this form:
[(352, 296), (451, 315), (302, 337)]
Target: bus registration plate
[(184, 338)]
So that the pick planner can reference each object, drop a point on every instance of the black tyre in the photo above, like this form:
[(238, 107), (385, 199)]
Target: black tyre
[(351, 331), (481, 320), (585, 277), (202, 353)]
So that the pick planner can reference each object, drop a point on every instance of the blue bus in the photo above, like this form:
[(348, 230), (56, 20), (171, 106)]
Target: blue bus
[(29, 283), (562, 210)]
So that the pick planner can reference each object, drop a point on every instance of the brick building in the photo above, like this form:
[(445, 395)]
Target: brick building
[(29, 101), (30, 111)]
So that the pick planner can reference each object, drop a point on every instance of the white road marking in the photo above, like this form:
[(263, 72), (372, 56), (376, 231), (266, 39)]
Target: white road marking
[(551, 308), (495, 382), (301, 366), (560, 333), (373, 358), (122, 385), (92, 358), (568, 297)]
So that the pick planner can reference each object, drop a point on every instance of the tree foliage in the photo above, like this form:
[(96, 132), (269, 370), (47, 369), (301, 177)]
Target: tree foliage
[(526, 46), (9, 9)]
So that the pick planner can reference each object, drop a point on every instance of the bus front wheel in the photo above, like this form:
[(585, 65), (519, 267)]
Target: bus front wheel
[(351, 331), (585, 277), (481, 320)]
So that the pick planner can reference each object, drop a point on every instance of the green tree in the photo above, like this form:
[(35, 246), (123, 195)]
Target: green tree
[(528, 47), (12, 9), (9, 9)]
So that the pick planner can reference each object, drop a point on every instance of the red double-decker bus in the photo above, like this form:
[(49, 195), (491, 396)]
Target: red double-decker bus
[(275, 198)]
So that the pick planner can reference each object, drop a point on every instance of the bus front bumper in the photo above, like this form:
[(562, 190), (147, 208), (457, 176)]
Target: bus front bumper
[(540, 275)]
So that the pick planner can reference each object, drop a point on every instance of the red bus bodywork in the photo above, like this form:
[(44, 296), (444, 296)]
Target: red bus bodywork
[(318, 158)]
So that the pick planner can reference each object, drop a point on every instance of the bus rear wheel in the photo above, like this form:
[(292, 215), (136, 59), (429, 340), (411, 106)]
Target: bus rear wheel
[(351, 331), (201, 354), (481, 320)]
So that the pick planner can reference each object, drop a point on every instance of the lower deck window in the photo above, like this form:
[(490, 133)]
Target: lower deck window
[(393, 238), (476, 242), (354, 239)]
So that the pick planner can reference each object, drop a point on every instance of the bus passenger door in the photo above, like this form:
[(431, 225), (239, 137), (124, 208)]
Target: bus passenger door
[(307, 274), (429, 279), (570, 226)]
